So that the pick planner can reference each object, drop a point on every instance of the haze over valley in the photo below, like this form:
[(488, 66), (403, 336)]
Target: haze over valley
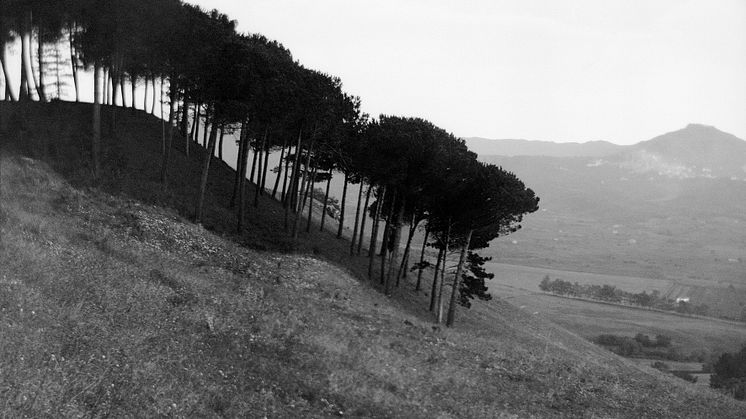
[(671, 209)]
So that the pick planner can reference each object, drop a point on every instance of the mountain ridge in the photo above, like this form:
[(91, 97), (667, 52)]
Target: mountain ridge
[(697, 137), (696, 150)]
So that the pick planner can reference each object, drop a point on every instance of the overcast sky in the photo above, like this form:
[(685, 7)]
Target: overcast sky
[(622, 71)]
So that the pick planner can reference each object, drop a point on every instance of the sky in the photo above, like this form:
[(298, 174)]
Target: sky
[(617, 70)]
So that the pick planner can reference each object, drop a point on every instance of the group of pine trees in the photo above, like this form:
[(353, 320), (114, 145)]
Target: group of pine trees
[(412, 174)]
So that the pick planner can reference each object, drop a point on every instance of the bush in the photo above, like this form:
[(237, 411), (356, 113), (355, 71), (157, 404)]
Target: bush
[(659, 365), (609, 340), (623, 345), (730, 374), (662, 341), (684, 375), (629, 347), (644, 340)]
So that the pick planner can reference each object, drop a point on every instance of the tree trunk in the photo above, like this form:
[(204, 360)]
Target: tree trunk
[(184, 127), (121, 87), (362, 223), (257, 191), (443, 274), (30, 72), (434, 288), (96, 142), (457, 282), (342, 208), (205, 169), (393, 263), (290, 197), (107, 87), (304, 193), (244, 157), (418, 286), (9, 91), (239, 165), (220, 145), (208, 111), (285, 178), (195, 127), (25, 91), (145, 96), (374, 234), (302, 185), (310, 201), (152, 108), (170, 137), (74, 63), (114, 87), (163, 81), (279, 168), (357, 219), (326, 201), (308, 185), (253, 160), (386, 241), (265, 167), (40, 58), (133, 87), (405, 259)]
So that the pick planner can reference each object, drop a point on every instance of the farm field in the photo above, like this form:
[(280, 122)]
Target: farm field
[(703, 379), (528, 278), (687, 250), (519, 286)]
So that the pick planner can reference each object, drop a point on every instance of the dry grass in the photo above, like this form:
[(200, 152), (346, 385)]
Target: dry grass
[(111, 306)]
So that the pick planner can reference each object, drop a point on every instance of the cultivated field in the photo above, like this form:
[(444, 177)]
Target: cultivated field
[(519, 285)]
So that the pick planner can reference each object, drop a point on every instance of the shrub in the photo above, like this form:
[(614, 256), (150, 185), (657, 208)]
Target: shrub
[(609, 340), (629, 347), (730, 374), (684, 375), (662, 341), (659, 365), (644, 340)]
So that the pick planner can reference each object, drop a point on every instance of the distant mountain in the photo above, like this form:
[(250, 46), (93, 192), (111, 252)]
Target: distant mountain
[(694, 151), (672, 207), (487, 147)]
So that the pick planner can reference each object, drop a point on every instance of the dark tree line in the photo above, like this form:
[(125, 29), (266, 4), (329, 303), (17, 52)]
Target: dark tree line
[(729, 374), (613, 294), (412, 174)]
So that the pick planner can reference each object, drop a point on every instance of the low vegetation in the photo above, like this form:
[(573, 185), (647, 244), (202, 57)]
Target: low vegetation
[(729, 374), (641, 346), (610, 293)]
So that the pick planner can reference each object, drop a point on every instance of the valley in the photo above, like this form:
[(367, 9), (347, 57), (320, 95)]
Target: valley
[(520, 286), (642, 227)]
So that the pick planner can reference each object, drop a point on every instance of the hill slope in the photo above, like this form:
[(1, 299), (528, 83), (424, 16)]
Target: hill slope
[(113, 306)]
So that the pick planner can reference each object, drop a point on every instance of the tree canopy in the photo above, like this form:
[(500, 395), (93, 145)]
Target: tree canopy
[(417, 173)]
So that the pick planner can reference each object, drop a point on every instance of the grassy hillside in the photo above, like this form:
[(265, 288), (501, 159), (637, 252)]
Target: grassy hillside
[(113, 303)]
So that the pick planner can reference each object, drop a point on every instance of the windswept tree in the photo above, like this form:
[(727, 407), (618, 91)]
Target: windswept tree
[(490, 204)]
